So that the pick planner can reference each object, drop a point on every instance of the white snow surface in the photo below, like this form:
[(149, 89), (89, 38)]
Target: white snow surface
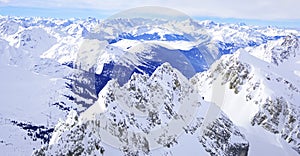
[(32, 51), (256, 79)]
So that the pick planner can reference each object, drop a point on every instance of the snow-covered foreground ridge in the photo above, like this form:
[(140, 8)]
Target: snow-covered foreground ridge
[(103, 87), (145, 116), (261, 88)]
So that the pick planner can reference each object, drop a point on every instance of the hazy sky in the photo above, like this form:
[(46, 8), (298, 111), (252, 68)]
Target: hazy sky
[(274, 10), (254, 9)]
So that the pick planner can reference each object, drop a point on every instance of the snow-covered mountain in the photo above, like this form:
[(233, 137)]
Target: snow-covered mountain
[(64, 77), (259, 90), (145, 116)]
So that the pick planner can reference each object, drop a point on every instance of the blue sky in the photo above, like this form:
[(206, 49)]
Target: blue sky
[(284, 13)]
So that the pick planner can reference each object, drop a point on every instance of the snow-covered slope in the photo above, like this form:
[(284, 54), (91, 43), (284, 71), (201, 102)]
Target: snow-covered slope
[(148, 115), (32, 88), (255, 93), (52, 67), (277, 52)]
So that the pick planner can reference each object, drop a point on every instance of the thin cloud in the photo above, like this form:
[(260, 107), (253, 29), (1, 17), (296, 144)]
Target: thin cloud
[(4, 1), (254, 9)]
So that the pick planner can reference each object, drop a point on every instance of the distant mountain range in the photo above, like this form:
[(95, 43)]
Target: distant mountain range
[(147, 87)]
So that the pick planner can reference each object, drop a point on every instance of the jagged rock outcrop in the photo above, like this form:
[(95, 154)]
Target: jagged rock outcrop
[(146, 113), (272, 97), (288, 48)]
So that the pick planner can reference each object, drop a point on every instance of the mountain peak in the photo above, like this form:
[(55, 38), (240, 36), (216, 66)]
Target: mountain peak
[(288, 48), (148, 113)]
